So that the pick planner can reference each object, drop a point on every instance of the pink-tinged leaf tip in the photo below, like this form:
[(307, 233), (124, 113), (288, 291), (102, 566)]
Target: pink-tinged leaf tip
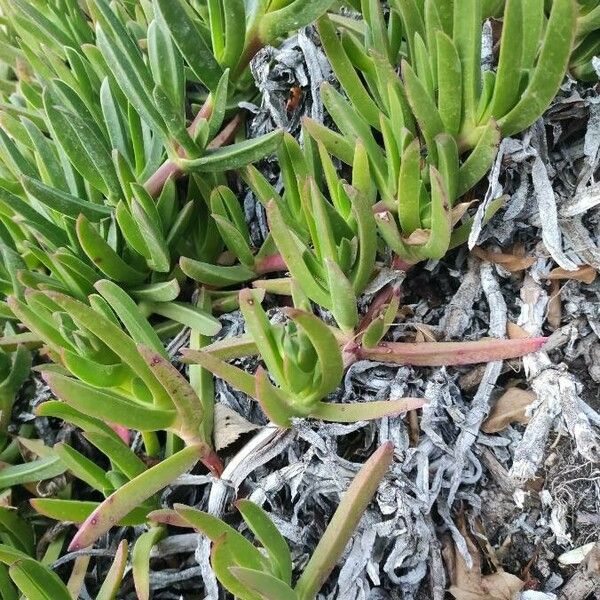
[(121, 431)]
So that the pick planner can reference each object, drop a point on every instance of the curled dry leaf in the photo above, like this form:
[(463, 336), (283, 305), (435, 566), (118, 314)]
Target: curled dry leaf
[(418, 237), (229, 426), (458, 211), (424, 333), (554, 306), (586, 274), (577, 555), (471, 584), (515, 332), (510, 408), (511, 262)]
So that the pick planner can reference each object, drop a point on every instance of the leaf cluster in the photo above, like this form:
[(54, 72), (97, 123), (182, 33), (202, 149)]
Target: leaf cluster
[(120, 133), (265, 573)]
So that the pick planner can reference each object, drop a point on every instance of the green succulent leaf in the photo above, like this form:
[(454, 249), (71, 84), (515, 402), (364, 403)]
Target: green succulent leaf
[(87, 152), (77, 511), (103, 256), (133, 493), (276, 404), (37, 581), (343, 523), (109, 406), (31, 472), (165, 291), (17, 529), (9, 592), (140, 560), (264, 584), (326, 348), (241, 380), (292, 16), (186, 314), (60, 410), (549, 70), (215, 275), (119, 454), (112, 581), (126, 309), (82, 467), (63, 202), (183, 26), (481, 158), (364, 411), (235, 156), (346, 74), (223, 559), (214, 529), (268, 535)]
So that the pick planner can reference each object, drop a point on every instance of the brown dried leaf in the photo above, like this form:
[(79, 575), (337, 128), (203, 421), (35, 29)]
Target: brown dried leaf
[(425, 333), (418, 237), (459, 210), (586, 274), (554, 311), (515, 332), (511, 262), (509, 408), (470, 584), (229, 426)]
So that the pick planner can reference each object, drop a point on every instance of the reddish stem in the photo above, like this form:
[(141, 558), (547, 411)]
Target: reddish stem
[(213, 463), (228, 132), (155, 183), (121, 431), (438, 354), (169, 169), (379, 303)]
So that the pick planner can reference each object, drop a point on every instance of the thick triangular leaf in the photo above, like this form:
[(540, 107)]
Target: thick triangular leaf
[(265, 585), (269, 536), (38, 581), (112, 580), (133, 493), (343, 523)]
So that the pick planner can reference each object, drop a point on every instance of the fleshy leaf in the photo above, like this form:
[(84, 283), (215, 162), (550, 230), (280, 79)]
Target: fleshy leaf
[(268, 535), (77, 511), (364, 411), (235, 156), (133, 493), (265, 585), (109, 406), (434, 354), (38, 581), (343, 523), (112, 580), (140, 560)]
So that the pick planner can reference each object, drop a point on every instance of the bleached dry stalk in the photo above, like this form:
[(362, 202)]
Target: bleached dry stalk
[(557, 393)]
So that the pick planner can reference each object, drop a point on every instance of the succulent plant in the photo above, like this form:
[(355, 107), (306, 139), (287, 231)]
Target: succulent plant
[(35, 579), (14, 371), (104, 374), (121, 142), (252, 574), (587, 44), (304, 359), (440, 121)]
